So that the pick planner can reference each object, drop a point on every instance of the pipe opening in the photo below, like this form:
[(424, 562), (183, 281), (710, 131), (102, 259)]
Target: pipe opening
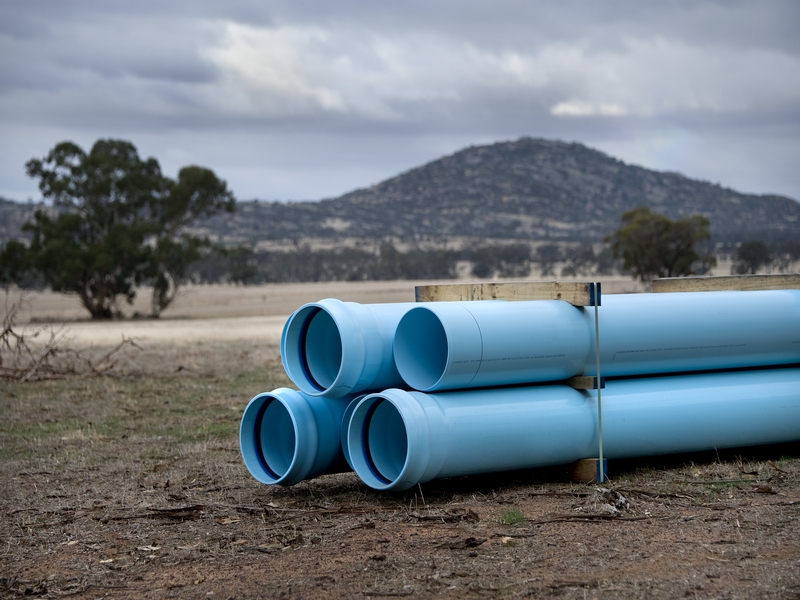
[(275, 438), (385, 441), (420, 348), (321, 349)]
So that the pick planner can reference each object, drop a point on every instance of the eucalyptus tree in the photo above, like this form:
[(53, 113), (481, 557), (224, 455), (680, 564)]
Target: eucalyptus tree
[(117, 221), (653, 245)]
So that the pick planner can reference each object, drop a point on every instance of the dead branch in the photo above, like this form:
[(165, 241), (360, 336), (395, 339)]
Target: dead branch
[(24, 357)]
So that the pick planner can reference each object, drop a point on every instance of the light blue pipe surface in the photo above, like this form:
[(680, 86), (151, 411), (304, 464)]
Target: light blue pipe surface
[(398, 439), (286, 436), (332, 348), (454, 345), (450, 345), (348, 414)]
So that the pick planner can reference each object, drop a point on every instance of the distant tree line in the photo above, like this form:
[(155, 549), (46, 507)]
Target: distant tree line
[(304, 264), (753, 256), (245, 265)]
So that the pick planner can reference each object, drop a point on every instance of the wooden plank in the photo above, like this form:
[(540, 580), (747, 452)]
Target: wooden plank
[(745, 283), (575, 292), (588, 470), (585, 382)]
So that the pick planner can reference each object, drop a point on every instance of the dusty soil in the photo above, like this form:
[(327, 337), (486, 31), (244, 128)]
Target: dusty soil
[(131, 486)]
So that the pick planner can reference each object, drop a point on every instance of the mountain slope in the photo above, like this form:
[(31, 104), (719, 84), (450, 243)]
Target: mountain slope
[(552, 190), (528, 189)]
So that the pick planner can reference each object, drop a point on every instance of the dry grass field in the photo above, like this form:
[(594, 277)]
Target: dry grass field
[(130, 485)]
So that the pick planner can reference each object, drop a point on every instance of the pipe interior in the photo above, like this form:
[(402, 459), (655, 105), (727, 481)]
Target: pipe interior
[(387, 441), (276, 439), (322, 350), (420, 348)]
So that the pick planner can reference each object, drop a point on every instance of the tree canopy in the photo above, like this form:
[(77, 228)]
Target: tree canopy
[(750, 257), (196, 194), (117, 222), (652, 245)]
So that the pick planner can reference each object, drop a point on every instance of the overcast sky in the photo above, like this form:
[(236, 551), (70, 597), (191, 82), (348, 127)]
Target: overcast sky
[(301, 100)]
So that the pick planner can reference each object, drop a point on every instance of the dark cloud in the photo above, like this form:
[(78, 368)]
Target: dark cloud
[(304, 99)]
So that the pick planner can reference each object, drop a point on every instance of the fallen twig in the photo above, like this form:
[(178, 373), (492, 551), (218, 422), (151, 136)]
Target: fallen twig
[(324, 511), (777, 468), (589, 517), (448, 517), (515, 534), (470, 542), (655, 495), (180, 512), (712, 481), (552, 493)]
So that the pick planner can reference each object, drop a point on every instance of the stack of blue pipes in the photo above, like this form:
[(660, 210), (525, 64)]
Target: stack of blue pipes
[(406, 393)]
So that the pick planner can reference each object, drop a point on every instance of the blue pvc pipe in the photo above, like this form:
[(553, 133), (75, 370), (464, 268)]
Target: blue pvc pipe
[(454, 345), (332, 348), (345, 422), (450, 345), (286, 436), (398, 439)]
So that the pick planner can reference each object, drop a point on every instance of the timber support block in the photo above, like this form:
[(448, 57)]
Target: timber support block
[(588, 470), (585, 382), (743, 283), (575, 292)]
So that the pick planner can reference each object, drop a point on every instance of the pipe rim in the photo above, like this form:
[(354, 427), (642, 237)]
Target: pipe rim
[(378, 421), (287, 457), (348, 414), (421, 365), (321, 362), (322, 349), (383, 418)]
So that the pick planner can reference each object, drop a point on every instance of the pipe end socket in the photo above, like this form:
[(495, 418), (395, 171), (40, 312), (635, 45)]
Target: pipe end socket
[(322, 350), (388, 441), (438, 347), (278, 438)]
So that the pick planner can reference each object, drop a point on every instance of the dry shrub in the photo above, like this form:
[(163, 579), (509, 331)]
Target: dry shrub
[(42, 353)]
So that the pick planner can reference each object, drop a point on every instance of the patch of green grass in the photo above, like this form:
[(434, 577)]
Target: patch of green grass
[(193, 431), (8, 452), (82, 421), (40, 429), (725, 486), (512, 516)]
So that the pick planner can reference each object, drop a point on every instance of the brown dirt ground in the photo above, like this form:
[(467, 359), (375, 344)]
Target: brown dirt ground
[(131, 486)]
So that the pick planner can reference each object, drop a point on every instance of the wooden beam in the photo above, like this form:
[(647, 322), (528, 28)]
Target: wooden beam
[(575, 292), (745, 283), (588, 470), (585, 382)]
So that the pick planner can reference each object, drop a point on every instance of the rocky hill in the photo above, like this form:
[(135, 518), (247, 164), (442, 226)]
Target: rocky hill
[(529, 189), (12, 217)]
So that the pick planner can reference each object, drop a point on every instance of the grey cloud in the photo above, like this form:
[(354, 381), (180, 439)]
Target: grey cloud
[(312, 93), (110, 48)]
